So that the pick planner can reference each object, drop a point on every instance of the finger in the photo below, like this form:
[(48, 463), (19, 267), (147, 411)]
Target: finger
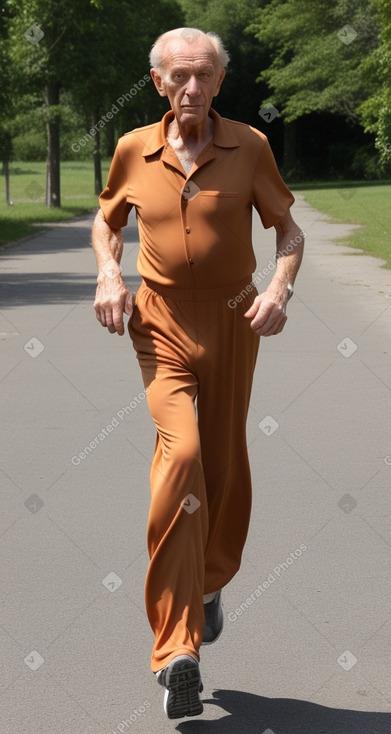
[(111, 327), (251, 312), (128, 308), (118, 320), (253, 309), (100, 315), (272, 328), (262, 316), (105, 318), (271, 332), (268, 314), (267, 320)]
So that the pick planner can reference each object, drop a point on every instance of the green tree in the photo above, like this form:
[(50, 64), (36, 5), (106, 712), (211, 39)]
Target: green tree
[(316, 51), (238, 98), (6, 101), (39, 31), (376, 69), (94, 49), (5, 86), (111, 85)]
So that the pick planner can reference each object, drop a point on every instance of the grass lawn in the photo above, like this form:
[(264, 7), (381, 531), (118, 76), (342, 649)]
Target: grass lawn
[(368, 204), (27, 190)]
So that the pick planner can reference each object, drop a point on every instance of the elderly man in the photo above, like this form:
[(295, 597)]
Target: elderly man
[(195, 324)]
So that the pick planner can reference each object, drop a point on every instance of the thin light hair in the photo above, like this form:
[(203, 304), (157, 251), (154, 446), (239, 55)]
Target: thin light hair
[(156, 56)]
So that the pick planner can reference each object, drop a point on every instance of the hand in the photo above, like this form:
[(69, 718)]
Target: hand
[(268, 312), (112, 300)]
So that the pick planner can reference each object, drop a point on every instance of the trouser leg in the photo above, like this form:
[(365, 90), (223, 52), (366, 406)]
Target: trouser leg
[(177, 523), (225, 381), (178, 520)]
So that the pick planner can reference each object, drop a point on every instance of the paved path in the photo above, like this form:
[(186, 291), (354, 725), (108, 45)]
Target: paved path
[(307, 642)]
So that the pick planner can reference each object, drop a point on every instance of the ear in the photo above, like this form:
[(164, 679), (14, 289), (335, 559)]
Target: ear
[(219, 82), (158, 82)]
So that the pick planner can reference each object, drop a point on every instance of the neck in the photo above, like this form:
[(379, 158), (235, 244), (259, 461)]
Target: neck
[(192, 133)]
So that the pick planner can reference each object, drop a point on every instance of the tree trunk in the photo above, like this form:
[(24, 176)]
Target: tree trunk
[(53, 197), (110, 139), (290, 146), (97, 156), (6, 169)]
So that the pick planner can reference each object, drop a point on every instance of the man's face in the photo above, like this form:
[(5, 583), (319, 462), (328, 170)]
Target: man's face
[(190, 78)]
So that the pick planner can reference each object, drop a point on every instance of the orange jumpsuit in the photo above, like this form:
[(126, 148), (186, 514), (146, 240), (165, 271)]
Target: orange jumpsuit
[(197, 354)]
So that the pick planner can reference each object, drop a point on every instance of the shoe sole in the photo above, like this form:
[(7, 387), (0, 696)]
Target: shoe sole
[(182, 693)]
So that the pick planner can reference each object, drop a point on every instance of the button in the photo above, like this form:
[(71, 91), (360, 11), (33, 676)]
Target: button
[(191, 261), (187, 230)]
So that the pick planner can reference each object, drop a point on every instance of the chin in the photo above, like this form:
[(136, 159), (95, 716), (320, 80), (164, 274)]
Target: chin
[(196, 115)]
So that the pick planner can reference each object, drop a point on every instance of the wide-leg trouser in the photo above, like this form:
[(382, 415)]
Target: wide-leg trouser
[(197, 355)]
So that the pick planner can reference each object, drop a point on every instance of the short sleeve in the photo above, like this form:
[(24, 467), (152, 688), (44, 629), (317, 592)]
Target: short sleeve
[(270, 195), (113, 199)]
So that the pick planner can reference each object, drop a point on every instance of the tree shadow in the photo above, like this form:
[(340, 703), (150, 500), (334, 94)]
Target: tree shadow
[(252, 714), (65, 236), (27, 287), (15, 171)]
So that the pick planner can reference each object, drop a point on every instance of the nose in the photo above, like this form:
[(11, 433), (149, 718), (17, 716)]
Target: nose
[(192, 88)]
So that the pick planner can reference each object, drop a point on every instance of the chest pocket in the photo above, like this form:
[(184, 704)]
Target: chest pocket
[(222, 194)]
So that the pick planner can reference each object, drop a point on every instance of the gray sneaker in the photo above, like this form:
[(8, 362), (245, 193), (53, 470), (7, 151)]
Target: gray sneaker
[(213, 620), (182, 680)]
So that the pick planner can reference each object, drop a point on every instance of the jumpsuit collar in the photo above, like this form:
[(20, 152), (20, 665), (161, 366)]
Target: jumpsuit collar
[(223, 137)]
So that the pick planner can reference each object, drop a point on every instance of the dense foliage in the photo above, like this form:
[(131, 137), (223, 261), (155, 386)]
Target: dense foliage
[(74, 75)]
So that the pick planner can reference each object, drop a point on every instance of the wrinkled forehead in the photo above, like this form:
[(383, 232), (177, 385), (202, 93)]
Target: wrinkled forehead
[(179, 51)]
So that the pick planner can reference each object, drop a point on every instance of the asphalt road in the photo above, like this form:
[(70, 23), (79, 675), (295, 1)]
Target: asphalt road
[(306, 647)]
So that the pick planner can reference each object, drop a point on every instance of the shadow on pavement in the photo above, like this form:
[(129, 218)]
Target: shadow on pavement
[(27, 287), (64, 236), (251, 714), (42, 288), (53, 237)]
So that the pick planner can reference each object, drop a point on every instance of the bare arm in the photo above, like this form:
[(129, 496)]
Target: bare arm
[(268, 312), (113, 298)]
